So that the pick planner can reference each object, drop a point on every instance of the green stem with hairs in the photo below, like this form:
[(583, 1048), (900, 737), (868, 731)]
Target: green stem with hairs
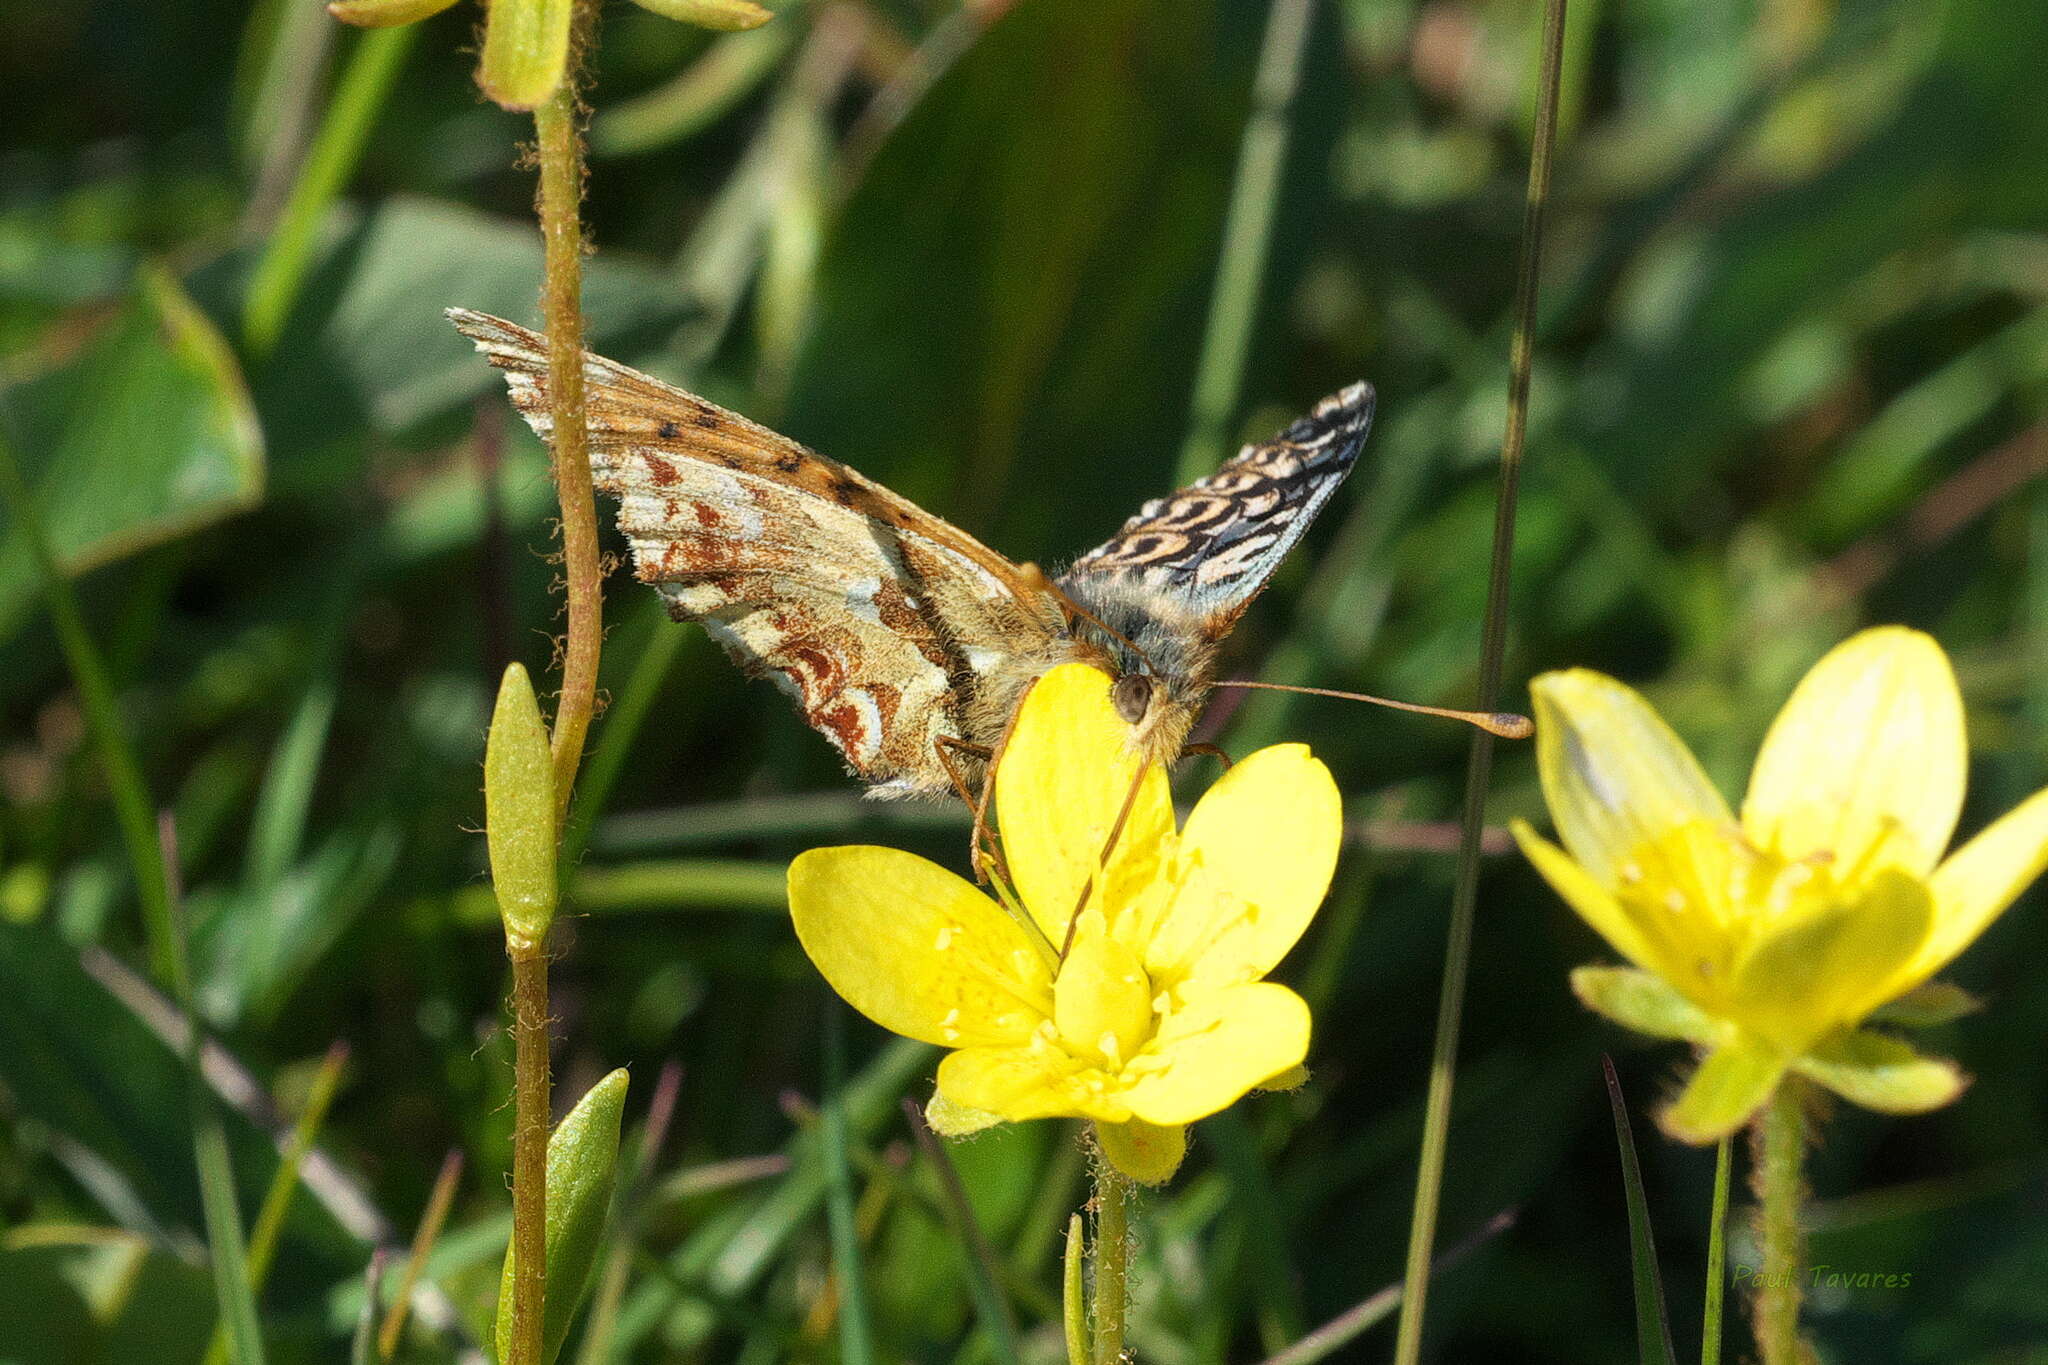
[(1779, 1152), (1112, 1262), (529, 1149), (561, 225)]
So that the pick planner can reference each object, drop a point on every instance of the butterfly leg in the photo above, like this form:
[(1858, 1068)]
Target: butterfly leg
[(982, 849), (1213, 750)]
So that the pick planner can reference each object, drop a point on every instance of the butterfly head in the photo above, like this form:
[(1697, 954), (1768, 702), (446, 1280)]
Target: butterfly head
[(1158, 653)]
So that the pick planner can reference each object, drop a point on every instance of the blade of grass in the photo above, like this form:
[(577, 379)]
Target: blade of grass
[(1353, 1322), (1717, 1256), (1653, 1323), (1479, 767), (983, 1272), (436, 1213), (152, 859), (366, 82), (1074, 1314), (1247, 238), (856, 1344), (284, 1183)]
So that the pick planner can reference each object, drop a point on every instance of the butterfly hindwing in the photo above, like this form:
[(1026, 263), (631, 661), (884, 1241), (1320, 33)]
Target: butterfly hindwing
[(1213, 544), (878, 619)]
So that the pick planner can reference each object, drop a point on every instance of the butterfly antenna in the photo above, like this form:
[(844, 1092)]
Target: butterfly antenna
[(1505, 724), (1037, 578)]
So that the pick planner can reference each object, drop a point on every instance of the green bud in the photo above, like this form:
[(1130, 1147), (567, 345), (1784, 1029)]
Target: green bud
[(583, 1159), (526, 51), (727, 16), (519, 812), (385, 13)]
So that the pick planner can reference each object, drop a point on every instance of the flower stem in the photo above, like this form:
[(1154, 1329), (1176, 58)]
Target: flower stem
[(529, 1148), (561, 225), (1779, 1138), (1112, 1261)]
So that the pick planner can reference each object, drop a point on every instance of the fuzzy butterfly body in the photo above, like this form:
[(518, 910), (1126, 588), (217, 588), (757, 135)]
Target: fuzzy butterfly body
[(898, 635)]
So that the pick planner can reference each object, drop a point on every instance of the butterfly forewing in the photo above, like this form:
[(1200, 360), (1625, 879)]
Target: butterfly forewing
[(880, 620), (1215, 543)]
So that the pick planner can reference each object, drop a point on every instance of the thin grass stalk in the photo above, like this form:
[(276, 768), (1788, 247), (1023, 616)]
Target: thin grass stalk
[(1717, 1255), (856, 1343), (1112, 1263), (366, 81), (436, 1213), (1653, 1322), (362, 1346), (1247, 238), (152, 861), (984, 1272), (1779, 1135), (284, 1183), (1479, 765), (561, 219)]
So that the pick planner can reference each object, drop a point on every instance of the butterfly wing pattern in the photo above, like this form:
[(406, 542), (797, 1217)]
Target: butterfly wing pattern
[(882, 622), (1214, 544)]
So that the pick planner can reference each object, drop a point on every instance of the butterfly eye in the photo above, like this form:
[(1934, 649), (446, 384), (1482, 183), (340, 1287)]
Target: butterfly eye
[(1131, 695)]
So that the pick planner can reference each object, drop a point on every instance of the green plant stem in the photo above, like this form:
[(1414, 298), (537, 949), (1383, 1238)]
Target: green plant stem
[(1247, 238), (1779, 1134), (529, 1148), (561, 225), (1717, 1256), (1479, 766), (372, 67), (1112, 1262), (151, 859)]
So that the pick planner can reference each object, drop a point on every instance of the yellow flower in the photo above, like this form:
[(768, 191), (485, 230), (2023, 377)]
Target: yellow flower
[(1127, 990), (1769, 939)]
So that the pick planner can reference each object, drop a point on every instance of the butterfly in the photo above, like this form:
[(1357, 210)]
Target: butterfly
[(903, 640)]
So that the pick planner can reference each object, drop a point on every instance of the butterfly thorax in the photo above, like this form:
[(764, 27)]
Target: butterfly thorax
[(1154, 636)]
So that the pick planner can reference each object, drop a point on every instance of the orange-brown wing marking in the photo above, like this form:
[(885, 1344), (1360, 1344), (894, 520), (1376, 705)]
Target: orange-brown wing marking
[(877, 618)]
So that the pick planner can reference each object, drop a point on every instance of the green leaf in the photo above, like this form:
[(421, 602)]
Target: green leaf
[(583, 1158), (1882, 1073), (726, 16), (1653, 1322), (1728, 1087), (519, 810), (1644, 1002), (146, 435), (1928, 1005)]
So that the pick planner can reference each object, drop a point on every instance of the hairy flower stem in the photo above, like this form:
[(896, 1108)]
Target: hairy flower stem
[(1112, 1262), (529, 1148), (561, 225), (1779, 1151)]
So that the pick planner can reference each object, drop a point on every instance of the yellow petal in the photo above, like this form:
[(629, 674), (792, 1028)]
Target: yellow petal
[(1730, 1085), (1143, 1151), (1018, 1083), (1812, 974), (1593, 902), (1064, 777), (1866, 761), (1254, 863), (1102, 999), (1614, 775), (1980, 879), (1210, 1052), (917, 949)]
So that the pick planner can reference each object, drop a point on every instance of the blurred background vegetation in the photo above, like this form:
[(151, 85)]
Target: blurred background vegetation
[(1792, 378)]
